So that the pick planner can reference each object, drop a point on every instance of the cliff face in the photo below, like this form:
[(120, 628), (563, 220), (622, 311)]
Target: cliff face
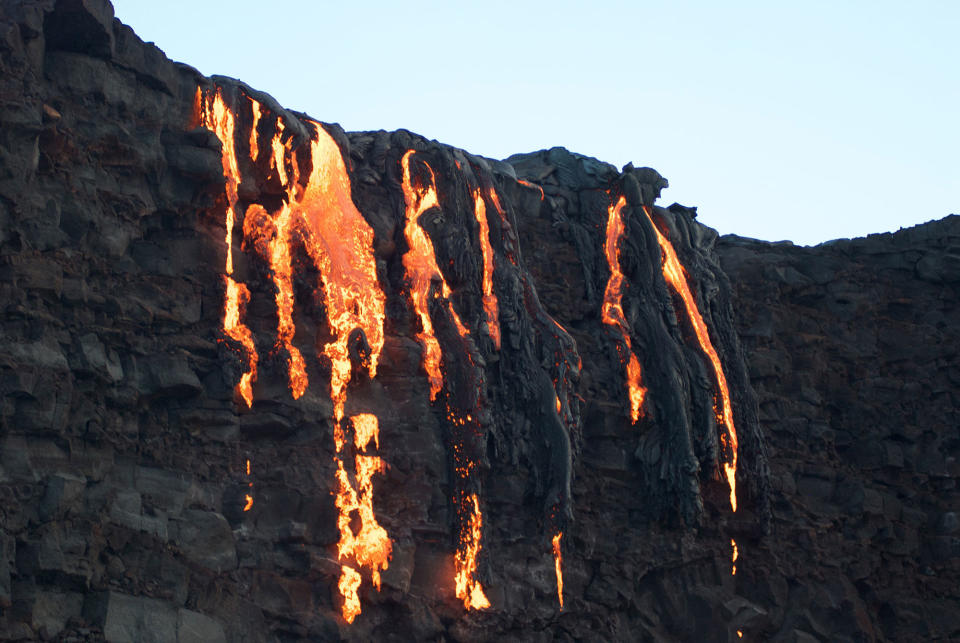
[(254, 367)]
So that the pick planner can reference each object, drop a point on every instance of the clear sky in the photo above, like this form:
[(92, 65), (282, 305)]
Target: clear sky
[(802, 120)]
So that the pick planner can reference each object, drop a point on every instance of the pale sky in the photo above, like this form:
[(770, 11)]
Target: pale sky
[(806, 120)]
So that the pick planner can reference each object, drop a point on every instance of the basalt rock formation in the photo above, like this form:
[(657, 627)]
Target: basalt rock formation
[(264, 379)]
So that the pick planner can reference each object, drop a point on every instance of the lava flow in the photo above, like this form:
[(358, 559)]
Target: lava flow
[(468, 587), (736, 553), (489, 298), (612, 312), (369, 546), (215, 116), (420, 264), (558, 566), (675, 275), (340, 242), (248, 499)]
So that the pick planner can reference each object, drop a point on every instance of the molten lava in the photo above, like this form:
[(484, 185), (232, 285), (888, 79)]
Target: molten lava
[(469, 589), (369, 546), (735, 555), (215, 116), (348, 585), (558, 566), (248, 499), (612, 312), (254, 147), (340, 242), (675, 275), (420, 264), (489, 298), (532, 185)]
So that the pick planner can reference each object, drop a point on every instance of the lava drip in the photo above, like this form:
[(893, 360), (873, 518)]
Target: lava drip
[(612, 311), (558, 566), (675, 275), (215, 116), (271, 237), (248, 499), (490, 306), (469, 589), (736, 554), (369, 546)]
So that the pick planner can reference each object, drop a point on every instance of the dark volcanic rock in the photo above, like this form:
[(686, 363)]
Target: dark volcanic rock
[(124, 450)]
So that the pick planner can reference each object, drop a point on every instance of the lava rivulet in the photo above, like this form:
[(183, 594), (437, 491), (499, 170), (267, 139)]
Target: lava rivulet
[(675, 275), (490, 306), (736, 554), (369, 546), (420, 264), (215, 116), (612, 312), (468, 587), (558, 566)]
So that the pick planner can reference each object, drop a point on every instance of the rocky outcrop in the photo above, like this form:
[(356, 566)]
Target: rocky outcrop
[(144, 500)]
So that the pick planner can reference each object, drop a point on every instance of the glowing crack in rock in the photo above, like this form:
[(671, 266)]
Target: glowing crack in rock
[(532, 185), (214, 115), (612, 311), (490, 306), (468, 587), (675, 275), (369, 546), (558, 566), (420, 265)]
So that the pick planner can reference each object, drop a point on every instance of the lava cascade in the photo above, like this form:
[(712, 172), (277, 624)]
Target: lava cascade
[(369, 546), (675, 275), (489, 298), (558, 566), (612, 311), (215, 116), (468, 587), (338, 240)]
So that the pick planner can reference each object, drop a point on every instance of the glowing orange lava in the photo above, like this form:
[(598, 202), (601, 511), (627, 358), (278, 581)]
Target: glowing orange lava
[(612, 312), (249, 502), (369, 547), (558, 566), (348, 585), (340, 242), (675, 275), (735, 555), (215, 116), (469, 589), (489, 298), (420, 264), (254, 148), (532, 185)]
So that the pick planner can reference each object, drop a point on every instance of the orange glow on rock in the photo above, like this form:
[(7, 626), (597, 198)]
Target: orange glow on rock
[(215, 116), (340, 243), (558, 566), (675, 275), (490, 305), (468, 587), (249, 502), (370, 547), (612, 311), (348, 585)]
